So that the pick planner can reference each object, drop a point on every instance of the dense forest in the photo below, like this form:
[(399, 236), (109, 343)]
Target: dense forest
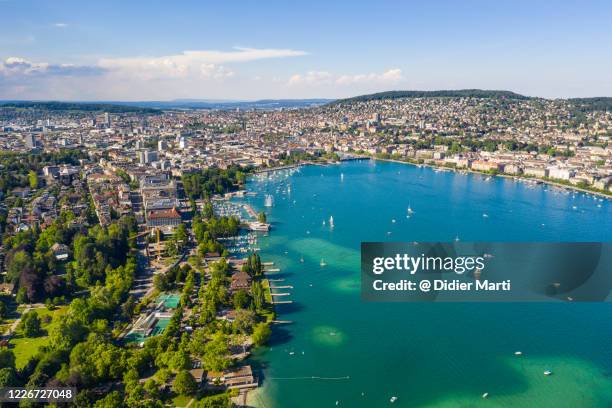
[(461, 93)]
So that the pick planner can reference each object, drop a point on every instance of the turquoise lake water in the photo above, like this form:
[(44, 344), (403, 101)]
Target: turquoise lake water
[(426, 354)]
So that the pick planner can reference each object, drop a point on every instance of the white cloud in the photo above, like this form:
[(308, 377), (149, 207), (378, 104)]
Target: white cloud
[(206, 63), (60, 25), (311, 78), (16, 67), (325, 78), (389, 76)]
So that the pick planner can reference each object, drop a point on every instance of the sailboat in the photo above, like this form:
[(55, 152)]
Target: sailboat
[(331, 221), (268, 200), (322, 263), (410, 211)]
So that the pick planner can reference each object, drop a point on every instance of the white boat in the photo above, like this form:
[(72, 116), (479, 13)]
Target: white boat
[(393, 399), (518, 353), (485, 395), (547, 372), (341, 176), (485, 215), (393, 220), (323, 222), (410, 211), (331, 221), (322, 263)]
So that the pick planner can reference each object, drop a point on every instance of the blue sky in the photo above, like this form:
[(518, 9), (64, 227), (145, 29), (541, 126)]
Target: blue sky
[(160, 50)]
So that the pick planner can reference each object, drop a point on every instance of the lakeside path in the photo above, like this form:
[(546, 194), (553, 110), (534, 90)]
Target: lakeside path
[(508, 176)]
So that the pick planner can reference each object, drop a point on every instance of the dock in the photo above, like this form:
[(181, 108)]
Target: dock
[(280, 294), (282, 322), (281, 287), (282, 302), (272, 270)]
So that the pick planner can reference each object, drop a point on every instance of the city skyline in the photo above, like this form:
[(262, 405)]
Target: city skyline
[(137, 52)]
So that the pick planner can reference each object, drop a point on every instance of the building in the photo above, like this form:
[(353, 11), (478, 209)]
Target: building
[(60, 251), (481, 165), (240, 281), (561, 173), (150, 156), (30, 140), (238, 378), (536, 171), (163, 218)]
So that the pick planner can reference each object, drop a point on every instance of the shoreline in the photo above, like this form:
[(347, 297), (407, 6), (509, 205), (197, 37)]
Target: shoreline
[(454, 170), (508, 176)]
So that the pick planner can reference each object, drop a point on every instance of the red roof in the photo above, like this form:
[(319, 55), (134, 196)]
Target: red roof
[(171, 213)]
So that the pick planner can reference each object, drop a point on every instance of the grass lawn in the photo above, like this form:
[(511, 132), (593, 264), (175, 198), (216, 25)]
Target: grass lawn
[(267, 292), (181, 401), (24, 347), (268, 312)]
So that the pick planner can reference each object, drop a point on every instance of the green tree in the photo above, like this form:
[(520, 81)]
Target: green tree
[(257, 292), (261, 217), (112, 400), (215, 401), (261, 334), (184, 383), (33, 179), (244, 321), (216, 353), (30, 324), (8, 377), (3, 311), (7, 358), (241, 299), (152, 388)]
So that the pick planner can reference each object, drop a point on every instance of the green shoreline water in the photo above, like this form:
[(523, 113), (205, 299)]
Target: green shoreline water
[(428, 355)]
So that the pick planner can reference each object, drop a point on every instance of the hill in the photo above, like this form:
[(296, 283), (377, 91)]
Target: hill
[(77, 106), (460, 93)]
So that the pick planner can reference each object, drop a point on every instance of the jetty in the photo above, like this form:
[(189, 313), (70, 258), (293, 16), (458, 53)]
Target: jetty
[(250, 211), (281, 287)]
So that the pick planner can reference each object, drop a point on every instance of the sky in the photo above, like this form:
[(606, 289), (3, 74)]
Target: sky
[(247, 50)]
